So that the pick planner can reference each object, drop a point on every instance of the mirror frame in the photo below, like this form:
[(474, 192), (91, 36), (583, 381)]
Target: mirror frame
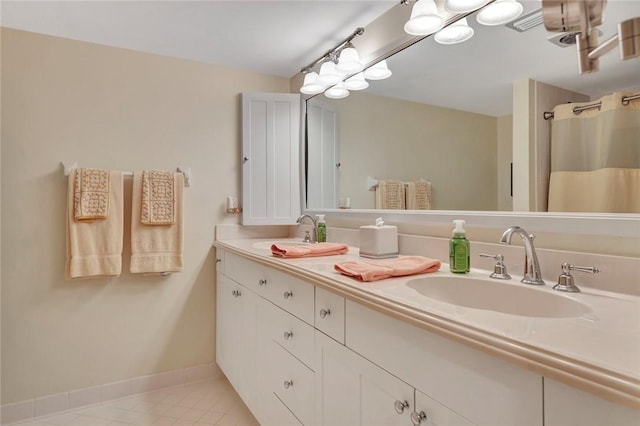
[(596, 224)]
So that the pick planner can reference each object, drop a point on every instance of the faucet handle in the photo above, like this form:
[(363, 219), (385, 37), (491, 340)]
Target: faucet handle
[(500, 269), (307, 237), (565, 280)]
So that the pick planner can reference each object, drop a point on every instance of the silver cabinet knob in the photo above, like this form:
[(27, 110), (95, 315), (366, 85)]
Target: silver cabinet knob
[(288, 294), (288, 384), (288, 335), (236, 293), (400, 406), (262, 282), (324, 312), (417, 418), (218, 260)]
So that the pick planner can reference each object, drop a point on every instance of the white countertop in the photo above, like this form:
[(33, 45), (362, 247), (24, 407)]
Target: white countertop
[(598, 352)]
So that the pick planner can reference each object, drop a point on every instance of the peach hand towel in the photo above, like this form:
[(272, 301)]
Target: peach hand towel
[(94, 248), (156, 249), (311, 250), (375, 270), (91, 194), (158, 198)]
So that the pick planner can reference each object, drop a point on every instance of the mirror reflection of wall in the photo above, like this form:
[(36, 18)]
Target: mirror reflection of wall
[(454, 150)]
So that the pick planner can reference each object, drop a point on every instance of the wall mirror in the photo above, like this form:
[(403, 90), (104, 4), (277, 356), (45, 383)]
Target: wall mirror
[(445, 115)]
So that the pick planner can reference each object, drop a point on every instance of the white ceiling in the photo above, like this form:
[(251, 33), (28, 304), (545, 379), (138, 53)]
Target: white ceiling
[(280, 37)]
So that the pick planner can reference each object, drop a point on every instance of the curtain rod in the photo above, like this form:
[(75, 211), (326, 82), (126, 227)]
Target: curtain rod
[(577, 110)]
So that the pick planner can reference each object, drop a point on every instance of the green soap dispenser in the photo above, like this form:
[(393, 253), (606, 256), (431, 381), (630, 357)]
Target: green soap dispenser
[(459, 260), (322, 229)]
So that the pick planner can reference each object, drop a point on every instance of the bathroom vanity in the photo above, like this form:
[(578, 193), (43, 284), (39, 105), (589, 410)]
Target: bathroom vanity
[(303, 344)]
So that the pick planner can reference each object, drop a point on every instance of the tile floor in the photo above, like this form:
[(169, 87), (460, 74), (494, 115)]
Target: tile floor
[(210, 402)]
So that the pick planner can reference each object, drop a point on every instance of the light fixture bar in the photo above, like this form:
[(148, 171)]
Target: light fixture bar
[(328, 54)]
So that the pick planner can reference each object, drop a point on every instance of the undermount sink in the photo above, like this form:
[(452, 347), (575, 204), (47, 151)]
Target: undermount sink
[(267, 244), (493, 295)]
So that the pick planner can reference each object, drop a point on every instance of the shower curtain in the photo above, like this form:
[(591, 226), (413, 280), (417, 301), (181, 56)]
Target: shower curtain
[(595, 157)]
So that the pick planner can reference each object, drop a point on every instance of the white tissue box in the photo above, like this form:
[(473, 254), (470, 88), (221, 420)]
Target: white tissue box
[(379, 241)]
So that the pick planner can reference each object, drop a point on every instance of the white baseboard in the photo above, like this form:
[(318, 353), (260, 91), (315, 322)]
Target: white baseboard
[(52, 404)]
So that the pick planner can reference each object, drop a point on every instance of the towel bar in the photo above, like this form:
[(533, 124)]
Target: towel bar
[(186, 171)]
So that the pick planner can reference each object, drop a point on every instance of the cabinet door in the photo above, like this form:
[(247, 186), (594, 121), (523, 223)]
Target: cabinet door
[(352, 391), (228, 327), (567, 406), (270, 158), (432, 413)]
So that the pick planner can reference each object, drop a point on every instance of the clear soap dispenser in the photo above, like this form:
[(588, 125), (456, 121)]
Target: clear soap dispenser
[(459, 260)]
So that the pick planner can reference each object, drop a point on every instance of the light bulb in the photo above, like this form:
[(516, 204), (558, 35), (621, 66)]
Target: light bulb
[(336, 92), (349, 61), (378, 71), (356, 82), (311, 85), (500, 12), (424, 19), (463, 6), (457, 32), (328, 75)]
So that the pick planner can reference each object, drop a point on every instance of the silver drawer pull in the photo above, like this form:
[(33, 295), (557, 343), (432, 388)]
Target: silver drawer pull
[(288, 384), (288, 294), (236, 293), (262, 282), (324, 312), (400, 406), (288, 335), (417, 418), (218, 260)]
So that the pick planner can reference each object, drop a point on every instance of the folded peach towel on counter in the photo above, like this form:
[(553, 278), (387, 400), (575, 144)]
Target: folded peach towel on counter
[(374, 270), (91, 194), (94, 247), (310, 250)]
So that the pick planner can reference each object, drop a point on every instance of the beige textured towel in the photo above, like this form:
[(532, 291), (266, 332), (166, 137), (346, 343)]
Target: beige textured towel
[(419, 195), (94, 249), (390, 195), (156, 249), (158, 198), (91, 194)]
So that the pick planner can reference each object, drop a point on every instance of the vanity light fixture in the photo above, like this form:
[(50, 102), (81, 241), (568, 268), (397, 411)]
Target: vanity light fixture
[(463, 6), (424, 18), (457, 32), (337, 91), (311, 85), (499, 12), (378, 71)]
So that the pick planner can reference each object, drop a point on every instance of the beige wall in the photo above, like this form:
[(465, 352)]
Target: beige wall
[(64, 100), (504, 158), (389, 138)]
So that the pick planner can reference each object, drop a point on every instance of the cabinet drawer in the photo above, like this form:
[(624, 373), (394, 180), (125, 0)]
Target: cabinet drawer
[(436, 413), (279, 414), (245, 272), (292, 382), (294, 335), (329, 314), (290, 293), (220, 254)]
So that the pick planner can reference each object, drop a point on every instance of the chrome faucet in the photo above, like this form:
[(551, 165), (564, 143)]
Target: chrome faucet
[(532, 274), (314, 234)]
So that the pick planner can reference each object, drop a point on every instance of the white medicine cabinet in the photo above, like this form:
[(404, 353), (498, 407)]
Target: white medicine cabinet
[(270, 158)]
